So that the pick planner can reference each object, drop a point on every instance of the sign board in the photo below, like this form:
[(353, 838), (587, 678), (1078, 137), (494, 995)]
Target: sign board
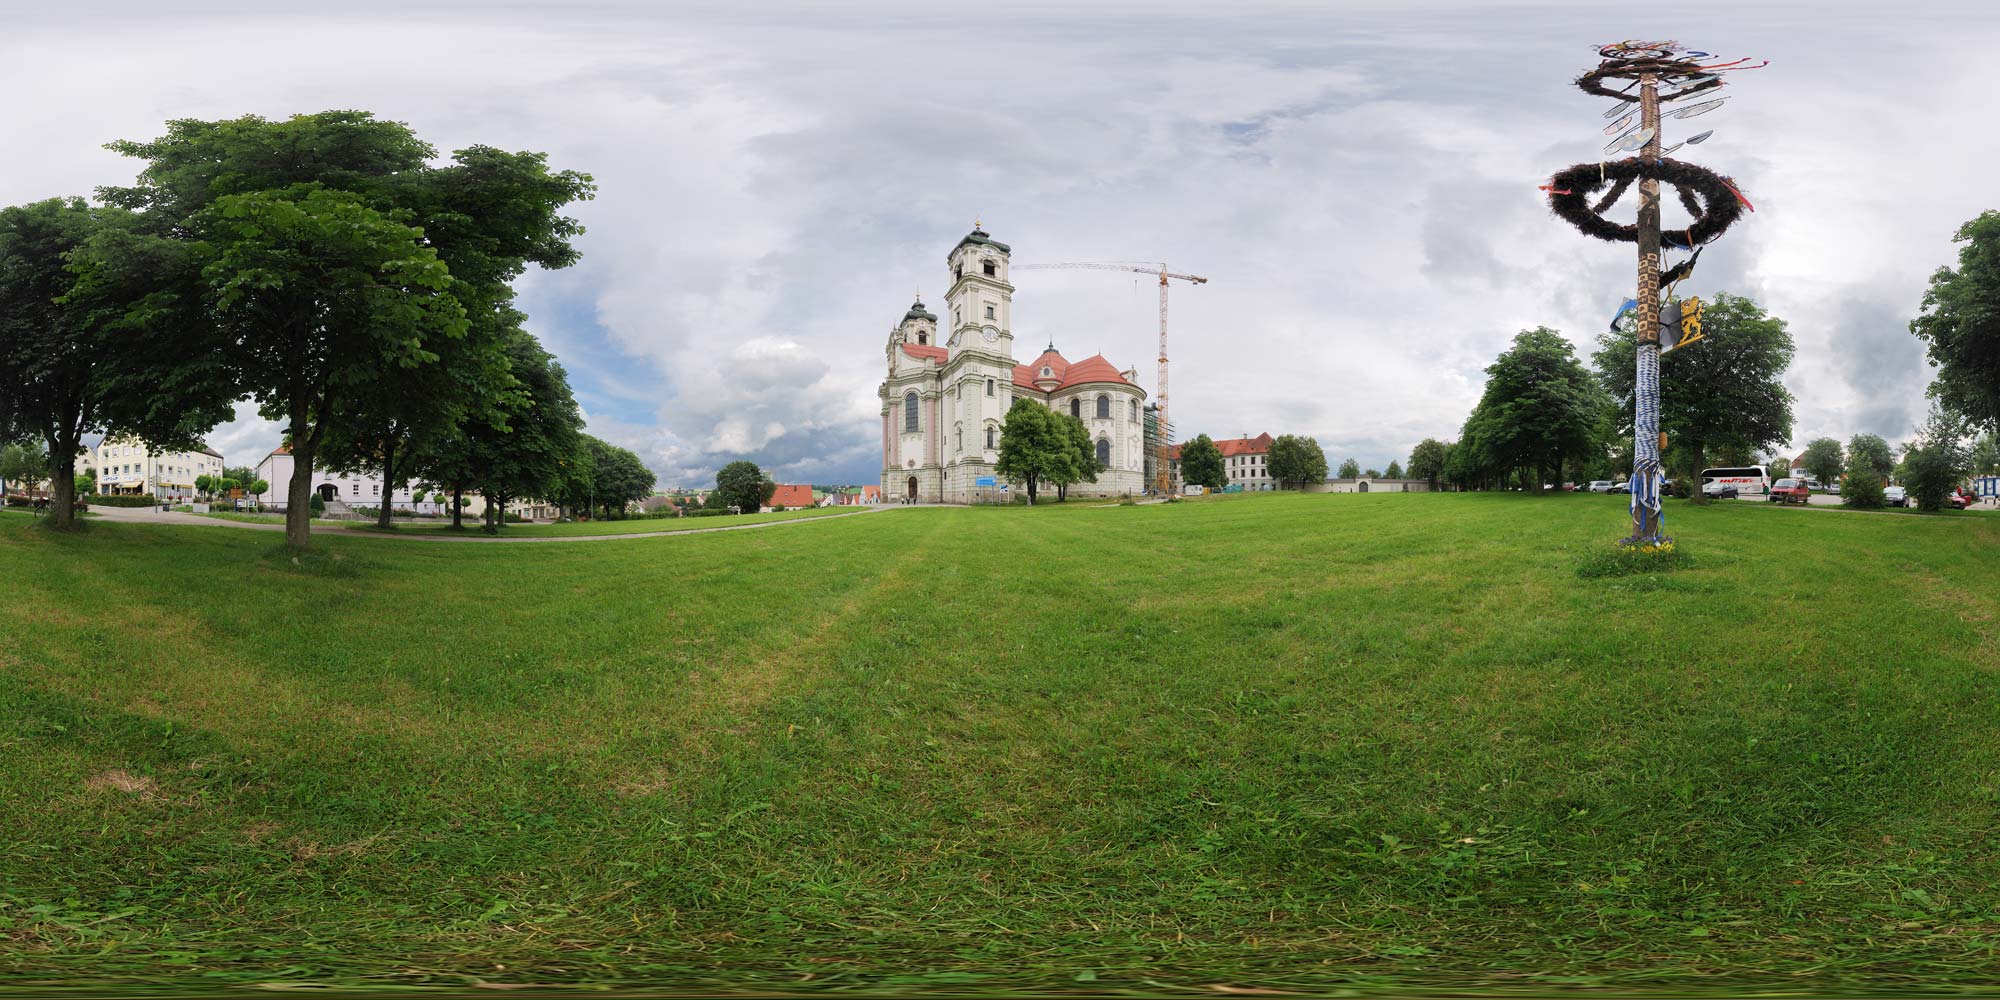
[(1987, 486), (985, 481)]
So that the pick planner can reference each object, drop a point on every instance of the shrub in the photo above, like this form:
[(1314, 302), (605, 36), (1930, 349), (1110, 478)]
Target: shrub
[(709, 513), (779, 507), (108, 500), (318, 505), (1863, 489)]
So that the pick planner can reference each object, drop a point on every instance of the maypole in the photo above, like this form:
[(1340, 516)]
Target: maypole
[(1712, 203)]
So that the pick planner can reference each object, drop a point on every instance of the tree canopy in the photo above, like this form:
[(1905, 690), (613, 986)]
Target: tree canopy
[(1350, 469), (1871, 451), (1726, 390), (1427, 461), (1959, 323), (744, 486), (1540, 409), (1295, 460), (1201, 463), (73, 281), (1823, 460), (1394, 471)]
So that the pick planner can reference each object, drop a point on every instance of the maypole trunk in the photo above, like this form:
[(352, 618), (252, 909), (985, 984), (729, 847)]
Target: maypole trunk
[(1646, 478)]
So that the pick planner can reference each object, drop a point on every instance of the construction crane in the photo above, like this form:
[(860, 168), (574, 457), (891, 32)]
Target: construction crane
[(1162, 476)]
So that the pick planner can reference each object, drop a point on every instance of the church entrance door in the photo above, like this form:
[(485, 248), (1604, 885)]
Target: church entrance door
[(913, 487)]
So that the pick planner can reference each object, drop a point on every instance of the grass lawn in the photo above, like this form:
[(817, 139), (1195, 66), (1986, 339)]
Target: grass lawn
[(230, 515), (1288, 742), (631, 527)]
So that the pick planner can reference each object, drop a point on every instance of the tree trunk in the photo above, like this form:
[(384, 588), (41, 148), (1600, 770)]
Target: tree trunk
[(457, 511), (1695, 495), (298, 494), (1031, 490), (62, 481), (388, 482)]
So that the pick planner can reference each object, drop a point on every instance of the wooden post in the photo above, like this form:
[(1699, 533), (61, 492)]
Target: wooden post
[(1646, 475)]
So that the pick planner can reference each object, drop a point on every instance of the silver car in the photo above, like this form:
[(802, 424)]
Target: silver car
[(1895, 496)]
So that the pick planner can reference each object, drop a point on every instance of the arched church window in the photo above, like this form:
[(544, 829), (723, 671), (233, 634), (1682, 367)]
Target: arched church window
[(1103, 407), (991, 270), (909, 413), (989, 312), (989, 387), (989, 437), (1076, 408), (1104, 453), (922, 339), (1134, 406), (958, 437)]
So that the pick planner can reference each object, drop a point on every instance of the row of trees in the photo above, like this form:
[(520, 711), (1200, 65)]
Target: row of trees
[(326, 267), (1544, 415)]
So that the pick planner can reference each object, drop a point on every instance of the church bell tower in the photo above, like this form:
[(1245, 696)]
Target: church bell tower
[(981, 302)]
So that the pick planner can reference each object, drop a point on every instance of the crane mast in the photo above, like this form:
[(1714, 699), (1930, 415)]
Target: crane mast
[(1162, 472)]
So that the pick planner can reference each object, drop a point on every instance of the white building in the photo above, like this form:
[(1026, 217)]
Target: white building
[(352, 489), (128, 467), (943, 402)]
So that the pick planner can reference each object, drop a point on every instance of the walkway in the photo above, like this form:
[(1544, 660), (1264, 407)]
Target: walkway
[(152, 515)]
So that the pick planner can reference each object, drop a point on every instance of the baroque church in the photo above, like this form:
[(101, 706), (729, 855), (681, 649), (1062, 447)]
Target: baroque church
[(946, 397)]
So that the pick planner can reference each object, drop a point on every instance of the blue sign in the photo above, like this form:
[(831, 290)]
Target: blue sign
[(985, 481)]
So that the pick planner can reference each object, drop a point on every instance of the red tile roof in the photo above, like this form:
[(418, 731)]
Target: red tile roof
[(1066, 375), (937, 354), (1231, 447), (1245, 446), (791, 496)]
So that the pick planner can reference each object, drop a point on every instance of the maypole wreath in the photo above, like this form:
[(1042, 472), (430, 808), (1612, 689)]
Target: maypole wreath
[(1712, 201)]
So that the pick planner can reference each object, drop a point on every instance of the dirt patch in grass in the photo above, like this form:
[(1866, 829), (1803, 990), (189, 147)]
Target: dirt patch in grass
[(118, 780)]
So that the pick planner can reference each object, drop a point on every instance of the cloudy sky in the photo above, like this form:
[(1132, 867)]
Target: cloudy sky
[(1358, 181)]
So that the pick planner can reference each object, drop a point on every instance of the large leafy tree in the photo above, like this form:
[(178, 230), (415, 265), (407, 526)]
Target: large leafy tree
[(481, 219), (1201, 463), (1035, 446), (1394, 471), (1823, 460), (75, 286), (1725, 391), (1872, 452), (316, 296), (1960, 324), (1427, 461), (1350, 469), (1540, 409), (612, 478), (744, 486), (1295, 460)]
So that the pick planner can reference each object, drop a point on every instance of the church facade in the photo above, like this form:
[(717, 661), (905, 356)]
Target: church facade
[(950, 382)]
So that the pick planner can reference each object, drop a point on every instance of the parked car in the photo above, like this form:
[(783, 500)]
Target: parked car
[(1789, 491), (1719, 491), (1599, 486), (1961, 498), (1896, 496)]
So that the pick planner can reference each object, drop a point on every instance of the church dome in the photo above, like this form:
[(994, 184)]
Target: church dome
[(917, 311)]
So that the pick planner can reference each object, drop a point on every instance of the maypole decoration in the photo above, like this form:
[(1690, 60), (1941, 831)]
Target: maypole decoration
[(1712, 202)]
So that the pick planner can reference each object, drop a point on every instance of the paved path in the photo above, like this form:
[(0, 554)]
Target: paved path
[(150, 515)]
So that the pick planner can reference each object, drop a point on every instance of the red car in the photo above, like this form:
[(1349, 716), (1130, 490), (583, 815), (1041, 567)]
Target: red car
[(1789, 491), (1961, 498)]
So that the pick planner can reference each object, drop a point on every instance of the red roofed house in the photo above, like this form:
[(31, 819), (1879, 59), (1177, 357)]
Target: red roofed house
[(943, 403), (1244, 460), (791, 497)]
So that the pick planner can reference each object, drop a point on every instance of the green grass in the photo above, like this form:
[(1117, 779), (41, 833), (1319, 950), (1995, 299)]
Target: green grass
[(1294, 742), (630, 527)]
